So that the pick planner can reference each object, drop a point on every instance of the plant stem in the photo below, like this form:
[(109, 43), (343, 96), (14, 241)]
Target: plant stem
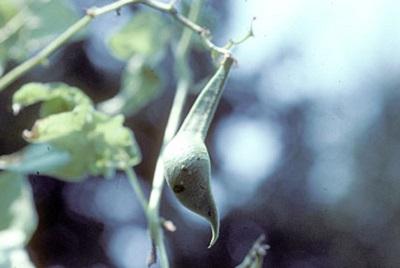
[(203, 32), (136, 187), (93, 12), (42, 55), (181, 93)]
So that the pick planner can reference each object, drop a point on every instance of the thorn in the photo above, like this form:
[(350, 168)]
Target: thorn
[(251, 27)]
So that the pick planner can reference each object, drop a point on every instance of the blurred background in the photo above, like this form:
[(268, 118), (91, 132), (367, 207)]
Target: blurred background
[(305, 145)]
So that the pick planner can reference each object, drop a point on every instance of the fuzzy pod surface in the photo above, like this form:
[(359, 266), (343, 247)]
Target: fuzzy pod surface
[(188, 170), (187, 166)]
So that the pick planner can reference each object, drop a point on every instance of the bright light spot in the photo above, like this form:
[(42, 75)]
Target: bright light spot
[(248, 150)]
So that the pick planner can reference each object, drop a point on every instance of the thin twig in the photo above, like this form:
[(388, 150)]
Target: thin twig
[(152, 209), (136, 187), (203, 32), (181, 93), (93, 12), (42, 55)]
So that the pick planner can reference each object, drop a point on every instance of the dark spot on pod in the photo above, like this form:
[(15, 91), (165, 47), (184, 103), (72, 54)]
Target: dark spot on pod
[(185, 169), (37, 173), (178, 188)]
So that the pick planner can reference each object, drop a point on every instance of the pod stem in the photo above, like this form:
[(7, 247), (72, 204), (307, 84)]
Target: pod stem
[(202, 112)]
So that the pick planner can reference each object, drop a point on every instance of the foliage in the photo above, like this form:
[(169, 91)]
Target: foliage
[(70, 124), (72, 139), (28, 25), (141, 79), (18, 220)]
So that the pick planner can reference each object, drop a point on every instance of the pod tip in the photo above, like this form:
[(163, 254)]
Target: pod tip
[(214, 233)]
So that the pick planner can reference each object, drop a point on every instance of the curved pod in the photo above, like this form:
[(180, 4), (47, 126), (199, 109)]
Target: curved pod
[(186, 159)]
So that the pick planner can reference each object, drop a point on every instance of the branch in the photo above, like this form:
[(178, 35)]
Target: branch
[(184, 81), (203, 32), (93, 12), (136, 187), (59, 41)]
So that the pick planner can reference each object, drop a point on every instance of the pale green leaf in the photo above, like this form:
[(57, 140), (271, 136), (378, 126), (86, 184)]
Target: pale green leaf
[(18, 220), (28, 25), (56, 97), (52, 17), (17, 211), (35, 158), (146, 34), (96, 143), (140, 85)]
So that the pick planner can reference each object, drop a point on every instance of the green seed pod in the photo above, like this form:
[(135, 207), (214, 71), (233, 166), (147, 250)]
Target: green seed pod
[(187, 168), (186, 159)]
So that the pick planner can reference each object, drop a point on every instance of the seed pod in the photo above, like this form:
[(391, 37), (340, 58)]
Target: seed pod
[(186, 159)]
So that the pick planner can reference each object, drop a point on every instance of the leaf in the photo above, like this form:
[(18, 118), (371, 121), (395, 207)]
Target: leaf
[(96, 143), (146, 35), (18, 220), (140, 85), (53, 17), (57, 98), (35, 158), (142, 42), (28, 25)]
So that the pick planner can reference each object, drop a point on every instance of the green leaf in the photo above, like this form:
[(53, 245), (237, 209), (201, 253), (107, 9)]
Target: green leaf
[(36, 158), (96, 143), (18, 220), (28, 25), (57, 97), (146, 34), (140, 85), (16, 208), (51, 17)]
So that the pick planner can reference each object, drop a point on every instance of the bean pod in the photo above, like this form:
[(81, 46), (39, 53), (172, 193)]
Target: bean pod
[(186, 160)]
